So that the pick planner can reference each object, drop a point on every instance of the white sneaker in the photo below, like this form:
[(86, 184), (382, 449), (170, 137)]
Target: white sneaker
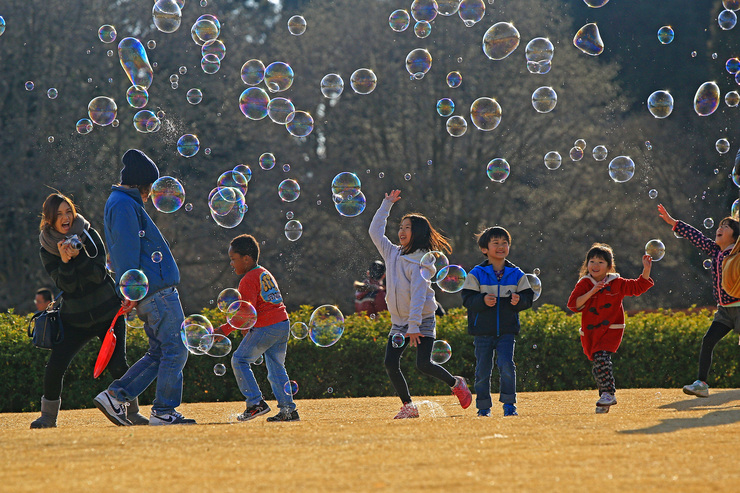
[(113, 409), (173, 418), (698, 388), (606, 400)]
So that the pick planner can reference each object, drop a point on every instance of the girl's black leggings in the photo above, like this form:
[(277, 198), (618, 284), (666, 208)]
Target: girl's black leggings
[(424, 364), (715, 333)]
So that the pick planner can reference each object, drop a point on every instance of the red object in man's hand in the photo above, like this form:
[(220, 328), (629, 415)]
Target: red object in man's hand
[(106, 349)]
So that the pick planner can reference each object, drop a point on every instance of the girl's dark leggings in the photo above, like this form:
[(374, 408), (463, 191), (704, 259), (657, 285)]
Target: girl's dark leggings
[(424, 364), (715, 333)]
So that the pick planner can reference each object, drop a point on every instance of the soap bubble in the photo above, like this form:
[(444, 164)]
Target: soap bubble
[(431, 263), (722, 146), (206, 28), (166, 15), (234, 179), (445, 107), (135, 62), (326, 325), (731, 4), (600, 152), (194, 96), (732, 99), (214, 47), (648, 145), (665, 35), (151, 44), (210, 65), (253, 103), (351, 206), (498, 170), (707, 263), (471, 12), (653, 193), (448, 7), (267, 161), (107, 33), (137, 96), (424, 10), (621, 169), (454, 79), (244, 170), (422, 29), (29, 85), (588, 40), (299, 330), (735, 209), (133, 285), (553, 160), (293, 230), (406, 177), (219, 369), (535, 284), (581, 144), (50, 139), (500, 40), (52, 93), (363, 81), (441, 352), (399, 20), (656, 249), (300, 124), (228, 207), (253, 72), (576, 154), (732, 65), (84, 126), (279, 109), (278, 76), (397, 340), (188, 145), (215, 345), (727, 20), (451, 278), (544, 99), (133, 321), (296, 25), (289, 190), (156, 257), (332, 86), (241, 315), (345, 185), (418, 62), (226, 298), (290, 387), (708, 223), (141, 121), (193, 330), (168, 194), (102, 110), (485, 113), (706, 99), (456, 126), (660, 104)]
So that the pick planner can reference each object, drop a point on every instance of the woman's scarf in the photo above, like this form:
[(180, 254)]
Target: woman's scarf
[(49, 237)]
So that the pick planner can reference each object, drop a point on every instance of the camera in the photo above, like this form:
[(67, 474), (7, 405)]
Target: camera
[(74, 242)]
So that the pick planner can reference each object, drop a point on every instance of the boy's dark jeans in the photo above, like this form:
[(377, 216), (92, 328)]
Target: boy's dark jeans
[(503, 347)]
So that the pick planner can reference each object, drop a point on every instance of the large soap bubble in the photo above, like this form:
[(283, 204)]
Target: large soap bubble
[(656, 249), (456, 126), (215, 345), (431, 263), (722, 146), (234, 179), (326, 325), (588, 40), (135, 62), (210, 65), (727, 19), (600, 152), (279, 109), (660, 104), (399, 20), (621, 169), (241, 315), (363, 81), (445, 107), (418, 62), (665, 35), (300, 124), (500, 40), (194, 331), (299, 330), (278, 76), (553, 160), (253, 103), (206, 28), (471, 12), (441, 352), (535, 284), (226, 298), (142, 119), (232, 207), (297, 25), (346, 184), (498, 169), (448, 7), (188, 145), (102, 110), (168, 194), (544, 99), (107, 33), (166, 15), (133, 285), (451, 278), (293, 230), (289, 190), (485, 113), (351, 206), (332, 86), (137, 96), (424, 10), (706, 99), (253, 72)]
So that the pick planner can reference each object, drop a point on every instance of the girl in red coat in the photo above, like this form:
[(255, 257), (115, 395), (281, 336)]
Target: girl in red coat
[(598, 296)]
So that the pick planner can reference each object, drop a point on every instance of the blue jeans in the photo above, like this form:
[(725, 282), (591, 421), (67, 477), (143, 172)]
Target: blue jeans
[(484, 349), (162, 315), (272, 341)]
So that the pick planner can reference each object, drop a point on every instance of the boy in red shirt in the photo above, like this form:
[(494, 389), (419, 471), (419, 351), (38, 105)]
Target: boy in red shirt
[(269, 336)]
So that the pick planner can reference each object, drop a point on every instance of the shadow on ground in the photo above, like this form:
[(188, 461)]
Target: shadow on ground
[(723, 406)]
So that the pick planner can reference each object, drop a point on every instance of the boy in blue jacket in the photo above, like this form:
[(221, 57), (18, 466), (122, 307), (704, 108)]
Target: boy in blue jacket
[(494, 293), (132, 238)]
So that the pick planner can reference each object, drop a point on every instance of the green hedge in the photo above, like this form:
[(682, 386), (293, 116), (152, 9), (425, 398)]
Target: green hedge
[(660, 349)]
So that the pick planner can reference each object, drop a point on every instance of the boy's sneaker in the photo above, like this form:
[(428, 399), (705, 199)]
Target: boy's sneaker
[(462, 392), (253, 411), (408, 410), (285, 415), (173, 418), (698, 388), (510, 410), (602, 409), (113, 409), (606, 400), (484, 413)]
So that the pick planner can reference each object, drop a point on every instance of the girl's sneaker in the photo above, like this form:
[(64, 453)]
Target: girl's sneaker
[(408, 410), (606, 400), (462, 392), (698, 388)]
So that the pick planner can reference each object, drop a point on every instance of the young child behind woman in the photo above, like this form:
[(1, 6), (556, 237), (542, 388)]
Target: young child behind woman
[(598, 296), (410, 300)]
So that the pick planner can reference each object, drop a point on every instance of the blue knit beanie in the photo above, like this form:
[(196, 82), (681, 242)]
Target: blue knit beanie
[(138, 169)]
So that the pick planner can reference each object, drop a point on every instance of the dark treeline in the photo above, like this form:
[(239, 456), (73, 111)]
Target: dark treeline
[(553, 215)]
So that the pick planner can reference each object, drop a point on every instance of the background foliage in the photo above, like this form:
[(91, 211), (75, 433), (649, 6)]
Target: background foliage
[(660, 349)]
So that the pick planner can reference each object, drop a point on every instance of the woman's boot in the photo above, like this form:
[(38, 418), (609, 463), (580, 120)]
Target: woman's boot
[(49, 412)]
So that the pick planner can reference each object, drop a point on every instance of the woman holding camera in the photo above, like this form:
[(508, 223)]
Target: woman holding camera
[(74, 256)]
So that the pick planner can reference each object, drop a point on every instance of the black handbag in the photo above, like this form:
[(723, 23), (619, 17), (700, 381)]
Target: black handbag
[(45, 327)]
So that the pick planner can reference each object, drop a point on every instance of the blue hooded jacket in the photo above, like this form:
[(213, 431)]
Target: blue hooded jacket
[(124, 218)]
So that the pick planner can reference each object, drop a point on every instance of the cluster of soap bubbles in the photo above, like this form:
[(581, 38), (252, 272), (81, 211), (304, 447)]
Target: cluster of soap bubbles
[(198, 336), (435, 267), (227, 202), (347, 194)]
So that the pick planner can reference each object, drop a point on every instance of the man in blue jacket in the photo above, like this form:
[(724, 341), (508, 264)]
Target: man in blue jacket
[(132, 239)]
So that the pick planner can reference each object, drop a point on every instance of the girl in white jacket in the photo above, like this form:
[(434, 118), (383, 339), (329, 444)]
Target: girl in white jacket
[(410, 301)]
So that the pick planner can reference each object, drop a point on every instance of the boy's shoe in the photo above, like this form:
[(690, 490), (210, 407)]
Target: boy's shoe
[(408, 410), (113, 409), (484, 413), (698, 388), (253, 411), (602, 409), (606, 400), (462, 392), (510, 410), (285, 415), (173, 418)]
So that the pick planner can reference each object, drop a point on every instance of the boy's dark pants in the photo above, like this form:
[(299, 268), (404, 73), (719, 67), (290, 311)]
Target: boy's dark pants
[(503, 346)]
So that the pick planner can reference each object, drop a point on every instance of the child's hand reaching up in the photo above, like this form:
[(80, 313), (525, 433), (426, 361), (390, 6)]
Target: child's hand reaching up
[(394, 196), (665, 216), (647, 263)]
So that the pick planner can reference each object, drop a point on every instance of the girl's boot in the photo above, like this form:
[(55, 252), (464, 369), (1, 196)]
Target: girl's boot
[(49, 412)]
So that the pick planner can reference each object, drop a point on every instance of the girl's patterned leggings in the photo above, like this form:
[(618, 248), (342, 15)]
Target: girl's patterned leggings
[(603, 372)]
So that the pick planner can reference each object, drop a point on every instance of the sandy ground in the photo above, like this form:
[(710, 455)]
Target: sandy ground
[(654, 439)]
